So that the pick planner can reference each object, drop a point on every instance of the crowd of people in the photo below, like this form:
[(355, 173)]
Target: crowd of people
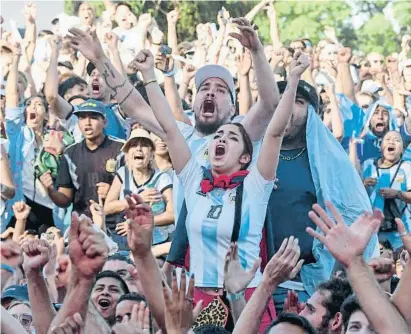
[(155, 185)]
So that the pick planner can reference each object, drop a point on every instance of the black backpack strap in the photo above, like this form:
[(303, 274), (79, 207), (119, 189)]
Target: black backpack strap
[(237, 213), (179, 244), (127, 190)]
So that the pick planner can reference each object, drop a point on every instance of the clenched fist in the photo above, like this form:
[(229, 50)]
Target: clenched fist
[(47, 181), (144, 62), (87, 249), (299, 64), (36, 255)]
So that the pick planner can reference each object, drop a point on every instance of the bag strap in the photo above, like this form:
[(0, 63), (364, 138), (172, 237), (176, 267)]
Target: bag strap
[(155, 179), (237, 213), (126, 182), (395, 174)]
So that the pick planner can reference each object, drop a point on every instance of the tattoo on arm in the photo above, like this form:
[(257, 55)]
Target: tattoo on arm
[(107, 65), (106, 75)]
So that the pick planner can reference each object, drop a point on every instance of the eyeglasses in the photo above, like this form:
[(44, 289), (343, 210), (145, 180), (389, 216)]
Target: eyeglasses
[(24, 318)]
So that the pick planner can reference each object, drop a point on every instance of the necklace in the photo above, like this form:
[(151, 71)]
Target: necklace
[(293, 158)]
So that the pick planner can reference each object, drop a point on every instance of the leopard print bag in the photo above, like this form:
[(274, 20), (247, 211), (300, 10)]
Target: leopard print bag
[(215, 313)]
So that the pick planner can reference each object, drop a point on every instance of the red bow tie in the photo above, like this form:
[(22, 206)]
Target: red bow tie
[(210, 182)]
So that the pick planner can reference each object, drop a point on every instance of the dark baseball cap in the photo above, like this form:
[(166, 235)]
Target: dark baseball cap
[(13, 292), (90, 68), (91, 106), (304, 89)]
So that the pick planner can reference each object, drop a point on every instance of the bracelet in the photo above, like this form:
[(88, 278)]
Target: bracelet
[(171, 73), (399, 194), (149, 82), (8, 268), (232, 297)]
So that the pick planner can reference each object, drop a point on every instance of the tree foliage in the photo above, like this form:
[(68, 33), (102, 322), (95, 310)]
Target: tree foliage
[(296, 19)]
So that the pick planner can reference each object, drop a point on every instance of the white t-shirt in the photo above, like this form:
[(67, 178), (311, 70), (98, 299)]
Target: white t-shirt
[(210, 221), (159, 181)]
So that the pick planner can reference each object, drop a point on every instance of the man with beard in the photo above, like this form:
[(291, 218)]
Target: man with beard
[(107, 290), (322, 310), (215, 100), (312, 168), (379, 119)]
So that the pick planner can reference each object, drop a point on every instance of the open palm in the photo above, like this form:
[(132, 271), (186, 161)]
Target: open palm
[(141, 220), (247, 36), (344, 242), (88, 44), (236, 279)]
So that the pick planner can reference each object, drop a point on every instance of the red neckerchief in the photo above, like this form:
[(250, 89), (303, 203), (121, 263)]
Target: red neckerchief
[(210, 182)]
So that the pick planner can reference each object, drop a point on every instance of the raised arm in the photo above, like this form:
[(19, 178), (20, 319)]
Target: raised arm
[(344, 83), (401, 297), (284, 265), (30, 14), (131, 102), (172, 41), (37, 254), (218, 49), (274, 31), (12, 95), (273, 138), (236, 280), (179, 151), (166, 64), (256, 9), (261, 112), (21, 212), (245, 99), (139, 240), (337, 124), (60, 107), (378, 309), (7, 185), (88, 253), (112, 42), (189, 72), (11, 257)]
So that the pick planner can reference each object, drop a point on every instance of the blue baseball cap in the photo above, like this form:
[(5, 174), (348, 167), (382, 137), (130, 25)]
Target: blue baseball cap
[(91, 106), (19, 292)]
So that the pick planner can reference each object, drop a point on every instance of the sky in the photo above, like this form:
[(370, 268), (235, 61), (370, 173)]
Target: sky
[(49, 9), (46, 11)]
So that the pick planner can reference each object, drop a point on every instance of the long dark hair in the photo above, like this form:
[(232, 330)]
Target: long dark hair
[(46, 106), (248, 144)]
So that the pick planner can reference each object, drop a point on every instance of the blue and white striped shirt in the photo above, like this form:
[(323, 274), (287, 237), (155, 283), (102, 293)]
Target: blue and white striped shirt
[(210, 222)]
